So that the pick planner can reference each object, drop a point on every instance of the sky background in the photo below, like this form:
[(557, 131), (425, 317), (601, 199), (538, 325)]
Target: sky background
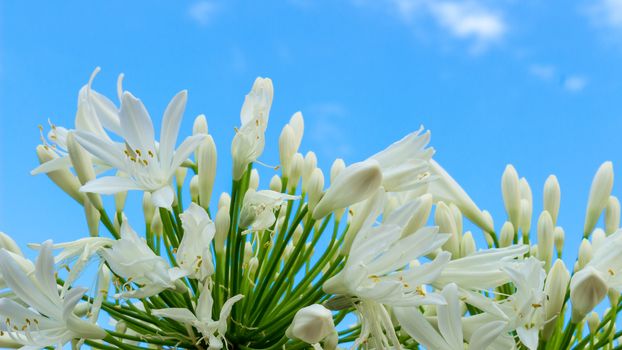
[(534, 83)]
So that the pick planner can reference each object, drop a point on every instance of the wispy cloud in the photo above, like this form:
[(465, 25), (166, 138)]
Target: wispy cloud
[(606, 13), (543, 71), (549, 73), (202, 12), (575, 83), (327, 133)]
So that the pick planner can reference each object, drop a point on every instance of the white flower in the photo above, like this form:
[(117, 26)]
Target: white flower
[(149, 167), (49, 319), (450, 334), (193, 254), (259, 206), (249, 141), (131, 258), (311, 324), (404, 164), (213, 331)]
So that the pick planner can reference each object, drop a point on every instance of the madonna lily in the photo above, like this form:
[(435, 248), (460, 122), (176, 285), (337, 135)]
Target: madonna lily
[(213, 331), (131, 258), (450, 334), (149, 167), (50, 320), (193, 254)]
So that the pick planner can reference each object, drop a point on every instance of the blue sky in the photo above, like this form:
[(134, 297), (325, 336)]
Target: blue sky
[(532, 83)]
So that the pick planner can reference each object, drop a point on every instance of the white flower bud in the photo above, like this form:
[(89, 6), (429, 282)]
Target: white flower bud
[(248, 253), (92, 218), (552, 197), (525, 195), (83, 166), (599, 195), (355, 183), (467, 244), (297, 234), (276, 184), (533, 250), (119, 201), (194, 189), (587, 289), (311, 324), (420, 214), (253, 181), (510, 188), (63, 178), (585, 253), (558, 237), (156, 223), (338, 166), (593, 321), (289, 248), (222, 228), (295, 171), (200, 125), (555, 288), (307, 169), (455, 211), (253, 263), (224, 200), (180, 176), (9, 244), (287, 148), (506, 237), (545, 239), (488, 222), (598, 238), (525, 216), (315, 189), (612, 215), (444, 219), (148, 207), (298, 126), (207, 158)]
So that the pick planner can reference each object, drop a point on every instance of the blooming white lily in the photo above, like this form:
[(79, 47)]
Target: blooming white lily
[(213, 331), (259, 206), (131, 258), (249, 141), (50, 320), (193, 254), (149, 166)]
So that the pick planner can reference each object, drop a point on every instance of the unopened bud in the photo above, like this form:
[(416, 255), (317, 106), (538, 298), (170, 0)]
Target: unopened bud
[(92, 218), (253, 263), (253, 181), (148, 207), (194, 189), (444, 219), (276, 184), (224, 200), (545, 239), (156, 223), (338, 166), (307, 169), (83, 165), (63, 178), (585, 253), (222, 228), (510, 188), (593, 321), (420, 214), (295, 171), (315, 189), (598, 239), (558, 237), (180, 176), (119, 201), (200, 125), (207, 170), (287, 148), (311, 324), (587, 289), (525, 216), (298, 125), (488, 222), (552, 197), (9, 244), (612, 215), (455, 211), (555, 288), (599, 195), (248, 253), (467, 244), (507, 235)]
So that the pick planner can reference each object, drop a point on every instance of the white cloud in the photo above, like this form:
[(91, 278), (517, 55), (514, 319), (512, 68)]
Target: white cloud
[(574, 83), (543, 71), (607, 13), (202, 12), (469, 20)]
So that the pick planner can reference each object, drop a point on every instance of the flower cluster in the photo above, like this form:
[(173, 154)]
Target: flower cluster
[(372, 255)]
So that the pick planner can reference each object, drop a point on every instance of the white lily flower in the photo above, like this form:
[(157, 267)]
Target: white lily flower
[(131, 258), (149, 167), (259, 207), (194, 254), (450, 335), (249, 141), (213, 331), (49, 320), (404, 164)]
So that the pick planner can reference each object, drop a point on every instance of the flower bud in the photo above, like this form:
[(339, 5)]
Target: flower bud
[(315, 189), (585, 253), (200, 125), (506, 237), (83, 165), (612, 215), (298, 126), (63, 178), (455, 211), (558, 238), (526, 207), (420, 214), (593, 321), (552, 197), (9, 244), (488, 222), (510, 188), (533, 250), (119, 201), (599, 195), (222, 228), (545, 239), (338, 166), (287, 148), (467, 244), (224, 200), (598, 239), (311, 324), (253, 263), (587, 289), (92, 218), (444, 219), (248, 253), (295, 171), (307, 169), (148, 207), (276, 184), (253, 181), (156, 223), (194, 189), (555, 288), (355, 183), (207, 157)]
